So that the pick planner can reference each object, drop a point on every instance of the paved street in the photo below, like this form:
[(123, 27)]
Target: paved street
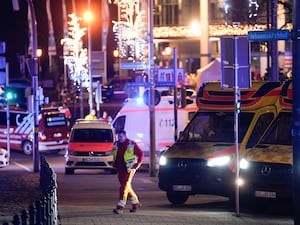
[(95, 202), (88, 197)]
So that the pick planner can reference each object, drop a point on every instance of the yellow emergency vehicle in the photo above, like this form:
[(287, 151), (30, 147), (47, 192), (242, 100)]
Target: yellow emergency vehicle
[(266, 170), (202, 160)]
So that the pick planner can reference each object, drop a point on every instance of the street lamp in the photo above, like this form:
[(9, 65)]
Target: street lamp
[(88, 17), (116, 62)]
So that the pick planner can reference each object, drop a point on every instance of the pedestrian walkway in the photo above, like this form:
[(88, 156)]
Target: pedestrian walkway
[(150, 217)]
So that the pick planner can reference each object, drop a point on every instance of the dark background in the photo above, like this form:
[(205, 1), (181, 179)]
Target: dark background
[(14, 30)]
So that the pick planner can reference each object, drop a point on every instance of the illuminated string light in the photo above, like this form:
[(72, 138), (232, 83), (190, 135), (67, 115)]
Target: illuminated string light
[(214, 30), (253, 8), (130, 31), (77, 60)]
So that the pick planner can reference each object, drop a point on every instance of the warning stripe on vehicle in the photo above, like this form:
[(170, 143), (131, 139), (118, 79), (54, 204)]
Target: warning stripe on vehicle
[(90, 146), (25, 126)]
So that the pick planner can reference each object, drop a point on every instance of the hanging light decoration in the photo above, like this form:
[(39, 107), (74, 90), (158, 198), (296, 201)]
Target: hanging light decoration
[(77, 59), (253, 9), (130, 30)]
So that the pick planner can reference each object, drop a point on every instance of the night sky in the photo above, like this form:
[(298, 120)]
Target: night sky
[(14, 31)]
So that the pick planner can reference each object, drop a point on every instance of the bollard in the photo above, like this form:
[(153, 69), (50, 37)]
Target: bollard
[(24, 216), (16, 220), (32, 213), (44, 211), (38, 215)]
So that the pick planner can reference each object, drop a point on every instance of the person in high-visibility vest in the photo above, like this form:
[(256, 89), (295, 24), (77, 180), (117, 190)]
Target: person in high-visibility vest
[(91, 115), (128, 157)]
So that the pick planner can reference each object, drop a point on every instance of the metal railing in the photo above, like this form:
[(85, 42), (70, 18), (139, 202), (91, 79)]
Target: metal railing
[(43, 211)]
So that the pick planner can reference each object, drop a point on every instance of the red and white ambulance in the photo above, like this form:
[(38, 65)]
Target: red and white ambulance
[(53, 130), (134, 118)]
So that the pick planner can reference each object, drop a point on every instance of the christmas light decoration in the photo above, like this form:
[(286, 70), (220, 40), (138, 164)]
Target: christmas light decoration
[(214, 31), (130, 31), (253, 8), (77, 59)]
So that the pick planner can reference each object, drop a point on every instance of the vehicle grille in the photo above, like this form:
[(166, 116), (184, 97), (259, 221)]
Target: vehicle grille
[(90, 164), (89, 153), (268, 173), (182, 165)]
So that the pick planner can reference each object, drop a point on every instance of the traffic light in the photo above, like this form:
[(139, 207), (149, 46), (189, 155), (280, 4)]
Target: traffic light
[(10, 95)]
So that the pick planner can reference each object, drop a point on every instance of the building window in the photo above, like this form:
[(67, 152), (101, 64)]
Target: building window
[(169, 13)]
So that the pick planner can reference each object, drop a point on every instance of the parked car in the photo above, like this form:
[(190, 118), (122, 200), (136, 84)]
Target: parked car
[(116, 89), (90, 146), (107, 92), (4, 158)]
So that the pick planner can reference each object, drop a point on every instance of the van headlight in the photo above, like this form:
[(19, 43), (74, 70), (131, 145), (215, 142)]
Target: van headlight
[(162, 160), (244, 164), (218, 161)]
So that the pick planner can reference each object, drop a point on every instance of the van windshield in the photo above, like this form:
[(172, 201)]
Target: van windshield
[(91, 135), (280, 130), (216, 127)]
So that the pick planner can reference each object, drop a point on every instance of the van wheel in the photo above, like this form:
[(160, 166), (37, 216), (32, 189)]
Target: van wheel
[(27, 147), (69, 171), (176, 197)]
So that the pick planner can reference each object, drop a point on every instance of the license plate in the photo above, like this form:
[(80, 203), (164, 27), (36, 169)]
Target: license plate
[(89, 160), (182, 187), (57, 135), (265, 194)]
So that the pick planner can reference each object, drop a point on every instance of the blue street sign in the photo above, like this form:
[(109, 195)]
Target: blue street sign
[(137, 84), (2, 47), (133, 65), (269, 35), (165, 84)]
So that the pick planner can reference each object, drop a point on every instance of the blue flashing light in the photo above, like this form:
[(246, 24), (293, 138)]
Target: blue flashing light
[(139, 100)]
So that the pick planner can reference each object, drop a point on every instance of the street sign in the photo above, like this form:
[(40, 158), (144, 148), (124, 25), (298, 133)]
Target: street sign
[(97, 64), (164, 84), (235, 62), (2, 63), (167, 75), (137, 84), (133, 65), (269, 35)]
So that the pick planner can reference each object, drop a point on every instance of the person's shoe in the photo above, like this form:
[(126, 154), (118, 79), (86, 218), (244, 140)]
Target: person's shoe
[(118, 211), (135, 207)]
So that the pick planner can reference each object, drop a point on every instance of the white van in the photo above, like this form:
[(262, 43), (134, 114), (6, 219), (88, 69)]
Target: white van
[(135, 119), (90, 146)]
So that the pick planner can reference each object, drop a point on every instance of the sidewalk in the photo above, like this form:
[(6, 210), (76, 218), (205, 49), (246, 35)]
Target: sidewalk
[(150, 217)]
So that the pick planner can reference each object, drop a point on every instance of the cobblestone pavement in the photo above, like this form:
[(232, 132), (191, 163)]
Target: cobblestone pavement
[(17, 192)]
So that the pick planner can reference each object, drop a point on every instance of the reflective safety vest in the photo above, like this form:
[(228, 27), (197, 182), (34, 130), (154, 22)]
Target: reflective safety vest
[(130, 158)]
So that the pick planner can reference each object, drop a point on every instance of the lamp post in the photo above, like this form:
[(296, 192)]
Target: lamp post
[(35, 108), (88, 17)]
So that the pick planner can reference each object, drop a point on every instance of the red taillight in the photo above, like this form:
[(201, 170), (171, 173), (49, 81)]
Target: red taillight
[(43, 137)]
